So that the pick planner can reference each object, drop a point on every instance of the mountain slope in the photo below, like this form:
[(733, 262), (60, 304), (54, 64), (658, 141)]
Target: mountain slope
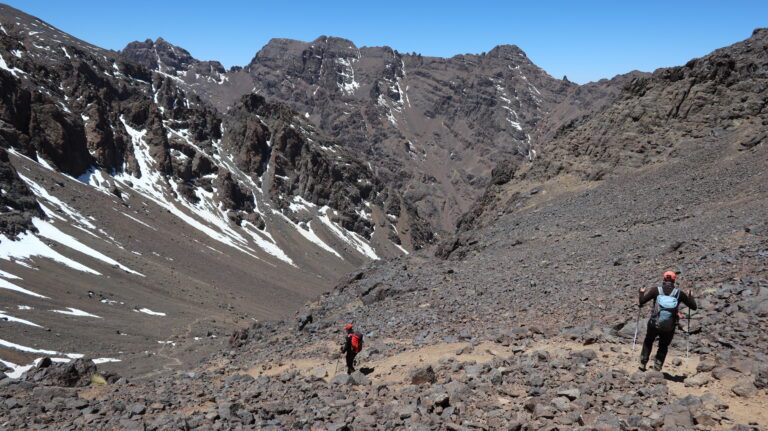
[(716, 102), (137, 196)]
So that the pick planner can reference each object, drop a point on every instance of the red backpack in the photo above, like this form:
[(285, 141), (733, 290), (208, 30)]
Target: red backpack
[(357, 342)]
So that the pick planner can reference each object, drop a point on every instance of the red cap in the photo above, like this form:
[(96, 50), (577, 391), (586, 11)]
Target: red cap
[(669, 276), (348, 326)]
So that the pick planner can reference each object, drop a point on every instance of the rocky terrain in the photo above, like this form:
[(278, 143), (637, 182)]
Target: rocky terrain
[(430, 127), (523, 319)]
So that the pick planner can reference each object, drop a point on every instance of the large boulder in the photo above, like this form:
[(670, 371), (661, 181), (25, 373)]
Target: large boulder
[(423, 376), (75, 373)]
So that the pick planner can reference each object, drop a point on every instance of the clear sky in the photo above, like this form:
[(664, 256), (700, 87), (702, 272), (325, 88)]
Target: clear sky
[(585, 40)]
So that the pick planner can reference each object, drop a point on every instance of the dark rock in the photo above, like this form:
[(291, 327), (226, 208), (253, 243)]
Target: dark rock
[(571, 394), (11, 403), (229, 410), (76, 403), (697, 380), (725, 373), (238, 338), (678, 417), (304, 320), (561, 403), (705, 366), (47, 393), (745, 390), (319, 373), (138, 409), (359, 378), (587, 354), (342, 380), (543, 411), (423, 376), (439, 399)]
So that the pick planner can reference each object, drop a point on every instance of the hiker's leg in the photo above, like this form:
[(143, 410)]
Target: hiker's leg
[(650, 336), (661, 353), (350, 362)]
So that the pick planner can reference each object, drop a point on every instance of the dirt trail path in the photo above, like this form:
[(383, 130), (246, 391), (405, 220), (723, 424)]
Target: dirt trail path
[(391, 369), (396, 368)]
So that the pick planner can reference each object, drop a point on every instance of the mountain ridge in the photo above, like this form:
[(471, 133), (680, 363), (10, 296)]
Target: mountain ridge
[(404, 122)]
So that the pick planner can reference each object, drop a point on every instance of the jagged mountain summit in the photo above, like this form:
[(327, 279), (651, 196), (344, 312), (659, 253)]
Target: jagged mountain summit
[(128, 201), (429, 126)]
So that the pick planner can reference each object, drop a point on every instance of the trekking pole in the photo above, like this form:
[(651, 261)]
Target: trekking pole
[(637, 327), (688, 331)]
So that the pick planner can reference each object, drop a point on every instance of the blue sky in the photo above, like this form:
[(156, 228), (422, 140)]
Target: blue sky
[(584, 40)]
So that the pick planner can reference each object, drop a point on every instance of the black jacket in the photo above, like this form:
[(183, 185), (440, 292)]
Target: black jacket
[(347, 346)]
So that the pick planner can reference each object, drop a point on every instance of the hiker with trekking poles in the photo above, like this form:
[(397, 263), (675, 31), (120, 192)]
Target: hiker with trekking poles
[(664, 318), (353, 344)]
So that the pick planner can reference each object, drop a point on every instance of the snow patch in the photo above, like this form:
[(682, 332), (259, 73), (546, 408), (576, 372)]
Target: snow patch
[(399, 247), (310, 235), (49, 231), (300, 204), (348, 84), (10, 318), (29, 245), (140, 222), (42, 193), (75, 312), (150, 312), (14, 71), (350, 238), (21, 348), (98, 361), (267, 244), (16, 370), (44, 163), (8, 275)]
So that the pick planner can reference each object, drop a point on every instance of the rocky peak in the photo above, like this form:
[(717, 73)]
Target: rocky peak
[(163, 56), (335, 44), (302, 58), (508, 52)]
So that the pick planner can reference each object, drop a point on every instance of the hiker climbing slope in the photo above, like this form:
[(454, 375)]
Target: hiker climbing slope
[(664, 316), (353, 344)]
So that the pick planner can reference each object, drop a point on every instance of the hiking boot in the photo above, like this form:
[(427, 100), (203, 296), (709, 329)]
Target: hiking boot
[(642, 367), (657, 365)]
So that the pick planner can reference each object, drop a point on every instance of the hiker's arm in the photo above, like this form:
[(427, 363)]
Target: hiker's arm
[(646, 294), (688, 300)]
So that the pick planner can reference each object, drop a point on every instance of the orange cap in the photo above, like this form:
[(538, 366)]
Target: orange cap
[(348, 326), (670, 276)]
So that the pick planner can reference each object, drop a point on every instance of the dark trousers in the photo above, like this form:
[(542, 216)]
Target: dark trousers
[(665, 338), (351, 362)]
